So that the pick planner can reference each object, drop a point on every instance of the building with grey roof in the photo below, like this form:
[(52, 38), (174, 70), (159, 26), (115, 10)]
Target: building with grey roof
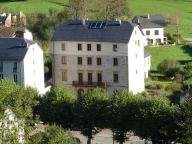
[(106, 54), (21, 60), (153, 28)]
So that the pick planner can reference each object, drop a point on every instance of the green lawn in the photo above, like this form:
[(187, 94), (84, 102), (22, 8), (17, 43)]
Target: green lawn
[(32, 6), (180, 53), (181, 8)]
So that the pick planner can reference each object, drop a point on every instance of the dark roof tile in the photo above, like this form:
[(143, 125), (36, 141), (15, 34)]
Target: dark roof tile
[(13, 48), (111, 31)]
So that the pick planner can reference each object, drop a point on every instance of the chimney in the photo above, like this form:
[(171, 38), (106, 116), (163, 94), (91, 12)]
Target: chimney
[(148, 16), (84, 22), (120, 22)]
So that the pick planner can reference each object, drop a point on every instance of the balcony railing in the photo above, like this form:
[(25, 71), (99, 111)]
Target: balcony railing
[(89, 84)]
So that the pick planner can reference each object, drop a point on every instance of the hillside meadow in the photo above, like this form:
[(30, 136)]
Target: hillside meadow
[(181, 8), (180, 53)]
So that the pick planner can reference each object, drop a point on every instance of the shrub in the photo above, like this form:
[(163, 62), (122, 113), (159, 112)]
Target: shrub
[(169, 68)]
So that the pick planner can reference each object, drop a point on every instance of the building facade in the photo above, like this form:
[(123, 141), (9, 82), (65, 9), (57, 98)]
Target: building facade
[(21, 60), (152, 28), (89, 56)]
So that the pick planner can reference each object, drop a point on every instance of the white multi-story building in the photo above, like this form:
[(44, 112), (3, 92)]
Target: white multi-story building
[(21, 60), (107, 54), (152, 28)]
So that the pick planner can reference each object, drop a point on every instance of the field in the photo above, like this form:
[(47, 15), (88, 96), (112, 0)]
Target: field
[(181, 8), (180, 53), (32, 6)]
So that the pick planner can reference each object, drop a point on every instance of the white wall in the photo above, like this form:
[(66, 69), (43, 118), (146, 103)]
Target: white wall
[(34, 68), (28, 35), (153, 36), (136, 62), (147, 66)]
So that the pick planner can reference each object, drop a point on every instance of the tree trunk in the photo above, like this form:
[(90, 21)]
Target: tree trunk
[(89, 140)]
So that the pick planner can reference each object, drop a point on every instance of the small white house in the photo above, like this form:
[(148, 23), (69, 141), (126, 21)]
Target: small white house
[(106, 54), (152, 28), (21, 60)]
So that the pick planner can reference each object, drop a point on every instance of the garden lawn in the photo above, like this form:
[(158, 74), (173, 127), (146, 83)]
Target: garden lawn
[(180, 53)]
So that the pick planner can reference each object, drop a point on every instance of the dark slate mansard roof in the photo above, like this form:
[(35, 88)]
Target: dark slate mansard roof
[(150, 21), (79, 30), (13, 49)]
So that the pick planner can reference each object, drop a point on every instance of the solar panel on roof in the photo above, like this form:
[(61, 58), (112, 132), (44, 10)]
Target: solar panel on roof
[(97, 25)]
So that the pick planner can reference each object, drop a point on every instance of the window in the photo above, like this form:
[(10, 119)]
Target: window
[(150, 41), (1, 76), (90, 78), (15, 67), (98, 47), (139, 43), (15, 78), (1, 66), (115, 61), (88, 47), (115, 47), (63, 46), (63, 60), (135, 55), (136, 71), (89, 61), (79, 47), (99, 77), (99, 62), (147, 32), (80, 77), (156, 32), (64, 75), (115, 77), (79, 60)]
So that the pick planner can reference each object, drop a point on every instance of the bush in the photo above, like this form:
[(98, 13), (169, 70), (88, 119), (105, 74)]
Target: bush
[(175, 87), (169, 68)]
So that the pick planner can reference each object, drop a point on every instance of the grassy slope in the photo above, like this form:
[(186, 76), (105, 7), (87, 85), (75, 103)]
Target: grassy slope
[(179, 53), (31, 6), (182, 8)]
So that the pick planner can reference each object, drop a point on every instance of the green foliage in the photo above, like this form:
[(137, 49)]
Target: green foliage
[(122, 107), (19, 100), (90, 111), (188, 70), (155, 120), (53, 135), (169, 67), (185, 121), (57, 106)]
